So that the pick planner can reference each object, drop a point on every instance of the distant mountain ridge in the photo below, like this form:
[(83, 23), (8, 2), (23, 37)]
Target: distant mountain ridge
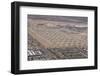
[(75, 19)]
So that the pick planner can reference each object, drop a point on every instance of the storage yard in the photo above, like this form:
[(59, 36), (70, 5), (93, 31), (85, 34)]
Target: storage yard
[(53, 38)]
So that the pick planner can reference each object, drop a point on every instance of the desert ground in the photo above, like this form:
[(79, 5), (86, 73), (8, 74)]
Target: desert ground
[(57, 37)]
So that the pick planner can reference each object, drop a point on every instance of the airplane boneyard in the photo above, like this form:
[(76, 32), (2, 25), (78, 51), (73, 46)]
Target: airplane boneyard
[(60, 37)]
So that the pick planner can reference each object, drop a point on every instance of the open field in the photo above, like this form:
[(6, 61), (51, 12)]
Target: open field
[(53, 38)]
